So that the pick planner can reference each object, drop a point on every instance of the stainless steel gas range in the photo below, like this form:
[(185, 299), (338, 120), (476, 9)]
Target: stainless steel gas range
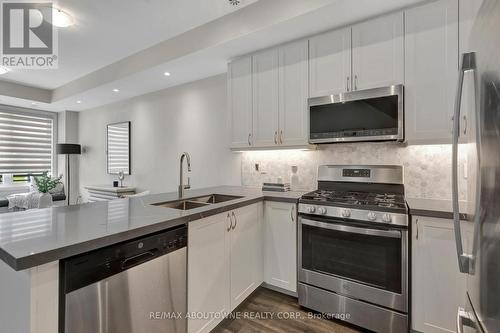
[(353, 247)]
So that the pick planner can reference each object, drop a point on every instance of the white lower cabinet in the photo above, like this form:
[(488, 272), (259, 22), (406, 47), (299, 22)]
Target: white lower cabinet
[(246, 253), (208, 270), (224, 264), (280, 245), (438, 288)]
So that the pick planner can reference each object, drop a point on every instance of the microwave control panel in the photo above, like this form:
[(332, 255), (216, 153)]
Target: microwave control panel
[(362, 173)]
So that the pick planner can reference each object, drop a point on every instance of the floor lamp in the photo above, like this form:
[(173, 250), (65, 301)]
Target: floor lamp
[(68, 149)]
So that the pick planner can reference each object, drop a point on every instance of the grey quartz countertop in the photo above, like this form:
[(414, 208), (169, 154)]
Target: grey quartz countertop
[(35, 237), (433, 208)]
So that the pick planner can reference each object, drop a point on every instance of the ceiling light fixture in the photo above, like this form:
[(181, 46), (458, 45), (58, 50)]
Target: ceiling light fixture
[(116, 90), (34, 103), (166, 74), (4, 70), (234, 2), (61, 19), (78, 102)]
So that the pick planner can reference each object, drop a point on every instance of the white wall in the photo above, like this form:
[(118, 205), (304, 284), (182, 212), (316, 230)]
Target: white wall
[(427, 168), (191, 117)]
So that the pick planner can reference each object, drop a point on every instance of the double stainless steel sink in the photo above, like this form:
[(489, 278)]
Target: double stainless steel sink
[(197, 202)]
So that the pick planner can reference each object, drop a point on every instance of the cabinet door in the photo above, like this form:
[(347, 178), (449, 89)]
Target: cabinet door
[(265, 98), (378, 52), (293, 93), (208, 270), (468, 11), (431, 71), (330, 63), (280, 245), (240, 101), (246, 253), (438, 286)]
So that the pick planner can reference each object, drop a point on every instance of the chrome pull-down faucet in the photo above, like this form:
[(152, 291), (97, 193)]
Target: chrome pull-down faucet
[(183, 187)]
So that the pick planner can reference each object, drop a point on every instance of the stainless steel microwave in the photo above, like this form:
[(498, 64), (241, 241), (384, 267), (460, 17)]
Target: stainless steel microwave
[(362, 115)]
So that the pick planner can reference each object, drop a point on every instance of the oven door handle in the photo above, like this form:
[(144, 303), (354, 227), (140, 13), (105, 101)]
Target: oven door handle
[(355, 230)]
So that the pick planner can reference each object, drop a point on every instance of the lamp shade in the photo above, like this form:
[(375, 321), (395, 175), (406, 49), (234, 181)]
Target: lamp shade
[(68, 149)]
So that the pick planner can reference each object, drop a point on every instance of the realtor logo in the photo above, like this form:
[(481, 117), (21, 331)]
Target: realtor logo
[(28, 36)]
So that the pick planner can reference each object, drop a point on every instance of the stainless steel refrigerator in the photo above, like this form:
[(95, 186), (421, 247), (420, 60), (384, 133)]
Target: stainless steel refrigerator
[(481, 260)]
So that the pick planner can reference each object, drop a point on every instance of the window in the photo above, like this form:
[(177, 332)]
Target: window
[(26, 143)]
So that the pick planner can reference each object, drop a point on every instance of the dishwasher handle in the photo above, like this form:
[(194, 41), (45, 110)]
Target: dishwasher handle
[(138, 259)]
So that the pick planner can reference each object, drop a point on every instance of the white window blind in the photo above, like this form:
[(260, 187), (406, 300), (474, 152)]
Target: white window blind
[(26, 142), (119, 148)]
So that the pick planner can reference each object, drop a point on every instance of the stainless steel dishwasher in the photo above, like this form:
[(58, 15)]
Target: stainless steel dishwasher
[(133, 287)]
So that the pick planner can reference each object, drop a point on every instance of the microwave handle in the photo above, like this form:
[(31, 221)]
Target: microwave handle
[(353, 230)]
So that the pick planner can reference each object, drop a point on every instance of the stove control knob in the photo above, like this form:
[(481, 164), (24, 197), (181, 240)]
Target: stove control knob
[(322, 210), (346, 213), (311, 209), (372, 216), (387, 218)]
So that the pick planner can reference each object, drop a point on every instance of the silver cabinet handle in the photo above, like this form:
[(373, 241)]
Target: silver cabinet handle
[(230, 222), (235, 221), (355, 82), (281, 136), (292, 213), (416, 225), (465, 125), (249, 135), (275, 137), (468, 64), (464, 319), (348, 88)]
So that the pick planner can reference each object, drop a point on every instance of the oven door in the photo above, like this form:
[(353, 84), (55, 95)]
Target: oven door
[(354, 260)]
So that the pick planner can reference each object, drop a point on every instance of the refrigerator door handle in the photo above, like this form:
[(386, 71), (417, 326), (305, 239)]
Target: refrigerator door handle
[(464, 319), (468, 64)]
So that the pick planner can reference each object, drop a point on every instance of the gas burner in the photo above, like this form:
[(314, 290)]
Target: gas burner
[(385, 200), (385, 196), (387, 204), (357, 199)]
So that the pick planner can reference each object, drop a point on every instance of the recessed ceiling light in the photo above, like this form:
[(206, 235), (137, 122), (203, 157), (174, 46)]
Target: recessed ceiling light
[(4, 70), (78, 102), (116, 90), (166, 74), (61, 19)]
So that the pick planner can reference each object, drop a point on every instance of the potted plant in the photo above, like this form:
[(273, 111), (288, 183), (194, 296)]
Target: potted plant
[(44, 184)]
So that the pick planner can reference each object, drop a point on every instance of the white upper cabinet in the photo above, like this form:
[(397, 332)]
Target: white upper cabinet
[(265, 98), (293, 93), (280, 245), (378, 52), (240, 101), (468, 11), (330, 63), (431, 71), (419, 48)]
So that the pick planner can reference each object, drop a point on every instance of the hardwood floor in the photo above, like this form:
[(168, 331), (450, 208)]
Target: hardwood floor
[(259, 313)]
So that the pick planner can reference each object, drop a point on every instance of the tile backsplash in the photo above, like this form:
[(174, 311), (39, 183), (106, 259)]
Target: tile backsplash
[(427, 168)]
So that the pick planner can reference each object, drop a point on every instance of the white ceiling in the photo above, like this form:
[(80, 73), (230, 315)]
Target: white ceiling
[(107, 31), (99, 53)]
